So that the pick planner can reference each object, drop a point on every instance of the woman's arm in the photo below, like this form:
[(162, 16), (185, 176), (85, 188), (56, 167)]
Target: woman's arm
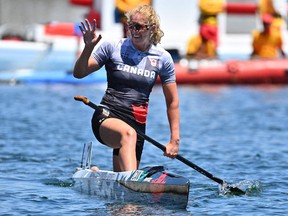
[(172, 104), (86, 64)]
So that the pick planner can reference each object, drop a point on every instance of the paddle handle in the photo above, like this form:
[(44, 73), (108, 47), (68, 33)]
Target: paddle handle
[(86, 101)]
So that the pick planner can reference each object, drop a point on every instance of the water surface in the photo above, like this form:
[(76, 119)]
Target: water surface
[(238, 133)]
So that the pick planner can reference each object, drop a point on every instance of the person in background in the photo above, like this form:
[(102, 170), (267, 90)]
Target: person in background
[(268, 42), (201, 46), (267, 7), (94, 12), (209, 10), (204, 44), (122, 6), (133, 65)]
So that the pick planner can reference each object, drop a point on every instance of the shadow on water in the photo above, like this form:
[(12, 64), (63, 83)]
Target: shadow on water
[(138, 209)]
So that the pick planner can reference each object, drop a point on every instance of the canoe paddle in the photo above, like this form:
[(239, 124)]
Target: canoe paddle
[(230, 188)]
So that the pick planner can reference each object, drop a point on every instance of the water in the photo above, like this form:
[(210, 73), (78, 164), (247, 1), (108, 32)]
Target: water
[(237, 133)]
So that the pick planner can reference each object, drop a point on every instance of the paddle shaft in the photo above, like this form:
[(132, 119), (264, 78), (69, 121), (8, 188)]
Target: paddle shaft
[(182, 159), (155, 143)]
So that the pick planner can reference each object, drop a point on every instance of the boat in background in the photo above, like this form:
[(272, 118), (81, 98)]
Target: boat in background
[(148, 186), (234, 72), (49, 52), (191, 72), (51, 46), (50, 77)]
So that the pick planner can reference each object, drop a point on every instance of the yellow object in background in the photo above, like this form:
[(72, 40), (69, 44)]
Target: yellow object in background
[(126, 5), (267, 45), (211, 7), (266, 6), (196, 45)]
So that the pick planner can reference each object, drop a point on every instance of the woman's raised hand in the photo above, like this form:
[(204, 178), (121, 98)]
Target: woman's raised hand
[(89, 33)]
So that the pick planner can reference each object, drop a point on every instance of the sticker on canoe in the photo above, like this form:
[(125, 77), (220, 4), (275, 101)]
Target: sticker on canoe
[(136, 176)]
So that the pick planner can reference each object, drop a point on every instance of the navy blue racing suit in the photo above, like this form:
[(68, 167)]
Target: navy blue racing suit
[(131, 75)]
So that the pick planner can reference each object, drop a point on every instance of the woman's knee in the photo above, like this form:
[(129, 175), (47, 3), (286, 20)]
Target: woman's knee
[(129, 136)]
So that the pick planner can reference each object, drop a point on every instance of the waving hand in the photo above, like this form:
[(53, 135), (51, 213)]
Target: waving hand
[(89, 33)]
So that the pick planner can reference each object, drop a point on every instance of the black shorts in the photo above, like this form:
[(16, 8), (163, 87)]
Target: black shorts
[(97, 120)]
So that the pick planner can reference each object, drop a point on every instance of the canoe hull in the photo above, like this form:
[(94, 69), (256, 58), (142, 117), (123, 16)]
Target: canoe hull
[(151, 185)]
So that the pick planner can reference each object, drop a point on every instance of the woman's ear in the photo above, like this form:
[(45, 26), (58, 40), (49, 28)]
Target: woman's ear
[(153, 28)]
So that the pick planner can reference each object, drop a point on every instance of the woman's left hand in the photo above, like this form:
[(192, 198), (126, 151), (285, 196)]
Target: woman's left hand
[(172, 149)]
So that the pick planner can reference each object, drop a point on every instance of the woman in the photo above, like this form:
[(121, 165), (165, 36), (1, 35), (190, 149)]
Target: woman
[(132, 66)]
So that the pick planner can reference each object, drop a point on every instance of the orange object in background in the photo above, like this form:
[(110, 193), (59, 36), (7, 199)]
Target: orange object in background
[(209, 7), (82, 2), (235, 72), (61, 29), (241, 8), (94, 14)]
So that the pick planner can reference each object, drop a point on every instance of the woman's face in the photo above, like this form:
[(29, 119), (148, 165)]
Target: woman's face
[(140, 30)]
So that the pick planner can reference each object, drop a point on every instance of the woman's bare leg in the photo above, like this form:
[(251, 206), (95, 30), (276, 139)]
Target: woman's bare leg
[(117, 134), (116, 164)]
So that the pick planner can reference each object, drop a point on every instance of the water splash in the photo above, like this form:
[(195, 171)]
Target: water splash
[(250, 187)]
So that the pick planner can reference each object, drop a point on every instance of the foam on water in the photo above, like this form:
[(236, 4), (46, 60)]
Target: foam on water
[(249, 187)]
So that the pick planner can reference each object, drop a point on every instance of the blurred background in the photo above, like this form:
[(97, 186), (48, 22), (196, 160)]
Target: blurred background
[(45, 34), (39, 11)]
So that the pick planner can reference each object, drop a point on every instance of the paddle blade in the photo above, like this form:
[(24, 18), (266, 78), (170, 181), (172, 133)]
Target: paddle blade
[(231, 189), (247, 187), (236, 190)]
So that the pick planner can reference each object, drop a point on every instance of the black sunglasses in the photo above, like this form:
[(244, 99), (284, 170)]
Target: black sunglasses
[(138, 27)]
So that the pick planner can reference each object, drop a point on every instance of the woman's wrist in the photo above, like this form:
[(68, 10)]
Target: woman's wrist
[(175, 141)]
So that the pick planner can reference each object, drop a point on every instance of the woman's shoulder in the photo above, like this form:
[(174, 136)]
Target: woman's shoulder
[(161, 51), (117, 43), (112, 42)]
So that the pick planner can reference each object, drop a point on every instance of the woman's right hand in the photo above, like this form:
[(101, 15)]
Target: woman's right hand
[(89, 34), (86, 64)]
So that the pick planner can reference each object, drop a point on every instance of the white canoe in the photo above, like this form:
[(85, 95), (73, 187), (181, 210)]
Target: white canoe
[(150, 185)]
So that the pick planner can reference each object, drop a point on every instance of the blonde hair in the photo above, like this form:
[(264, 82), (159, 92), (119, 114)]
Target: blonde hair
[(151, 17)]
